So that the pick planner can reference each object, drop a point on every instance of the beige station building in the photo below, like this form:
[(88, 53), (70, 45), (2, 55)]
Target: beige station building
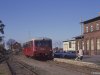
[(69, 45)]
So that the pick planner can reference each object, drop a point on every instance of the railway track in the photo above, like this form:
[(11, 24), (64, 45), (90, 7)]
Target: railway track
[(3, 58), (31, 69), (11, 70), (69, 67), (55, 67), (19, 68), (29, 66)]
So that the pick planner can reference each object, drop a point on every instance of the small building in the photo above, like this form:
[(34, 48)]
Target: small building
[(16, 47), (69, 45)]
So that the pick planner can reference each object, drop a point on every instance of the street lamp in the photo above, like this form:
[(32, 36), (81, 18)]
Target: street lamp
[(81, 32)]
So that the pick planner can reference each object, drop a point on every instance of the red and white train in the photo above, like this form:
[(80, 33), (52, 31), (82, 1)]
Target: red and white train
[(39, 47)]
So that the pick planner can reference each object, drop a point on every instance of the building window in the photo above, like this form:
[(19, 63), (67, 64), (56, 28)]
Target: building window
[(91, 29), (65, 46), (86, 29), (69, 44), (97, 26), (98, 44), (92, 44), (87, 44), (78, 45), (83, 45)]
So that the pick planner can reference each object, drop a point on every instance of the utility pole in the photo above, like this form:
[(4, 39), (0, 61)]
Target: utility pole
[(81, 25)]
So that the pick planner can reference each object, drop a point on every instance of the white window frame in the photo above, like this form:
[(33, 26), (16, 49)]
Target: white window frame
[(78, 45), (97, 26), (92, 44), (87, 44), (98, 44), (87, 29), (83, 45), (91, 29)]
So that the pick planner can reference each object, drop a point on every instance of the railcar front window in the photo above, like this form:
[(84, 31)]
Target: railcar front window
[(43, 43)]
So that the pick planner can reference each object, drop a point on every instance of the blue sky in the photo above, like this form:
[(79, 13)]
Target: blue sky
[(56, 19)]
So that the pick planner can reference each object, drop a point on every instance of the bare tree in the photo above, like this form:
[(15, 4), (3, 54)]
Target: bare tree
[(2, 27), (2, 48), (10, 43)]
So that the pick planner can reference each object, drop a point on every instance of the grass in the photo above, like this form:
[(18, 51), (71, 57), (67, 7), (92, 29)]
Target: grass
[(1, 73)]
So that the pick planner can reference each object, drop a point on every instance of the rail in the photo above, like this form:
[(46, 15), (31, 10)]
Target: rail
[(19, 68)]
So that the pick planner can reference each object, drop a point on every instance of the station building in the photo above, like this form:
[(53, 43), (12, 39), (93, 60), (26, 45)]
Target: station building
[(90, 40)]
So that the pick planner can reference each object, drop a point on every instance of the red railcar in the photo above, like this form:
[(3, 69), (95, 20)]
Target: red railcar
[(41, 47)]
